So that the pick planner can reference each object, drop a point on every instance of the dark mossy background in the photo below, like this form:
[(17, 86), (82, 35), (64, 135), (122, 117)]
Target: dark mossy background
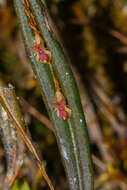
[(94, 32)]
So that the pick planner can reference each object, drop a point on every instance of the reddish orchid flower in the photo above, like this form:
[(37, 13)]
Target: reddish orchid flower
[(42, 54), (62, 110)]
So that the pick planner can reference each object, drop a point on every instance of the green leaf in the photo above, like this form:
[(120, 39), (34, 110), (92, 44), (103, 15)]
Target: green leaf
[(18, 185), (71, 134)]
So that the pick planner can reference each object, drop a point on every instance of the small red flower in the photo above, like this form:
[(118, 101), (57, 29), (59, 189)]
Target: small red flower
[(62, 110), (42, 54)]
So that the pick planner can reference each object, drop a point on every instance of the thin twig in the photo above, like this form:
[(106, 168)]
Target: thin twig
[(119, 36), (33, 111), (99, 163)]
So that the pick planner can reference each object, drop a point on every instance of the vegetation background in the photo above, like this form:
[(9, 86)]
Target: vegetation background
[(94, 34)]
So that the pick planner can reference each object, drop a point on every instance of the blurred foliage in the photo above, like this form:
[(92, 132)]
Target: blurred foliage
[(18, 185), (94, 33)]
